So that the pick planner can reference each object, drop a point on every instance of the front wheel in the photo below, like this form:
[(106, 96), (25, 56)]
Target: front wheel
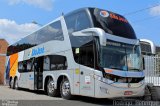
[(65, 89)]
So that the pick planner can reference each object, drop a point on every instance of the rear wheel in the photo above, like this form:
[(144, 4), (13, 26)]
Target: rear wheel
[(16, 84), (65, 89), (51, 91), (12, 83)]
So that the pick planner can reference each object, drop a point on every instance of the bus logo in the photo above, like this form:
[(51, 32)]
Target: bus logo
[(30, 52), (35, 52), (104, 13)]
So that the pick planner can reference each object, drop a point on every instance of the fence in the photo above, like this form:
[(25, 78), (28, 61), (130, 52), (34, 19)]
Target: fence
[(152, 70)]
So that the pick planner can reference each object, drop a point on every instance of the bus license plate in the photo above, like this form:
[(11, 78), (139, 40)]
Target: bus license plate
[(128, 93)]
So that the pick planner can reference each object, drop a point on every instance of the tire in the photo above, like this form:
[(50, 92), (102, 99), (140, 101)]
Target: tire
[(154, 93), (16, 84), (12, 84), (65, 89), (51, 91)]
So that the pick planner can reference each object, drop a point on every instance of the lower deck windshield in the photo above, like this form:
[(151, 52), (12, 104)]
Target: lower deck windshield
[(121, 56)]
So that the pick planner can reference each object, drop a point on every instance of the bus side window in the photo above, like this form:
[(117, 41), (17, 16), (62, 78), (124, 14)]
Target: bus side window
[(29, 64), (87, 56), (82, 22), (51, 32), (24, 66), (58, 62), (46, 63), (20, 67), (77, 21)]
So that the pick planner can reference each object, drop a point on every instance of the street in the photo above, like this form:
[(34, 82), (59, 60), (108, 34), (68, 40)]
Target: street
[(38, 98)]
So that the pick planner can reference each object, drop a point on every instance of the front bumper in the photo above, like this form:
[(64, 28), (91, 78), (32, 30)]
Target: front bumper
[(104, 90)]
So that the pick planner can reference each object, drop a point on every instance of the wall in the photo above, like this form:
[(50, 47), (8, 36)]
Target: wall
[(3, 50)]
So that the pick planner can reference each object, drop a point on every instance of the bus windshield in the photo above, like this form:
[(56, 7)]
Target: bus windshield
[(121, 56), (112, 23)]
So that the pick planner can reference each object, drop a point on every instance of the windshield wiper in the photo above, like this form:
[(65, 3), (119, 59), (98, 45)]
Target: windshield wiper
[(116, 68), (134, 69)]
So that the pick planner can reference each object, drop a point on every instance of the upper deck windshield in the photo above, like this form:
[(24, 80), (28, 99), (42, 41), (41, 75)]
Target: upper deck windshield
[(112, 23), (121, 56)]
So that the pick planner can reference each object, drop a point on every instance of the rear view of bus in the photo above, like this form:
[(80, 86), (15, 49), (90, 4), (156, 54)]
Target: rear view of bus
[(111, 48)]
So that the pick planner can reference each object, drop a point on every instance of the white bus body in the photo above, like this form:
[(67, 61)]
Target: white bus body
[(83, 61)]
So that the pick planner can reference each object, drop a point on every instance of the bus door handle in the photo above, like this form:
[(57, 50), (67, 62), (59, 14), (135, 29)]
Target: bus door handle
[(82, 73)]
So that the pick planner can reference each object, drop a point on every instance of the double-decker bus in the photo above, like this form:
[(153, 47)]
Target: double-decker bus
[(91, 52)]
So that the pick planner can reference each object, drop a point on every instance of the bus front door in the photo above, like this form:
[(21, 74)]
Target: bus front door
[(38, 73)]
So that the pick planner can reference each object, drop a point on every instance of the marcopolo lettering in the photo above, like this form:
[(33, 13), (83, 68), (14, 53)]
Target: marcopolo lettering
[(37, 51)]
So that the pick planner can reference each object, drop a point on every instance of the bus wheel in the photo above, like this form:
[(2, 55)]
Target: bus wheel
[(51, 91), (12, 84), (65, 89), (16, 84)]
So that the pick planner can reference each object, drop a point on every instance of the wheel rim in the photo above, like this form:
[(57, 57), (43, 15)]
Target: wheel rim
[(66, 88), (51, 87)]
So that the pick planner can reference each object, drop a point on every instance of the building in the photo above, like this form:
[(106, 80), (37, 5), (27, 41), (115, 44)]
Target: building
[(3, 50)]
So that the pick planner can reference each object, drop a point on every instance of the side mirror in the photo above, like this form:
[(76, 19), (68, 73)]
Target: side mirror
[(92, 32)]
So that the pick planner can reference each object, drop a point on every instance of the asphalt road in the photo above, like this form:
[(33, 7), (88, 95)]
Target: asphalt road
[(25, 97)]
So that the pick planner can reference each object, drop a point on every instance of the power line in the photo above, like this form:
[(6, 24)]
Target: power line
[(145, 19), (134, 12)]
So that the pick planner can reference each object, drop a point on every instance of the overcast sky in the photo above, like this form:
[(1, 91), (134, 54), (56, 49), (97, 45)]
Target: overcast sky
[(16, 16)]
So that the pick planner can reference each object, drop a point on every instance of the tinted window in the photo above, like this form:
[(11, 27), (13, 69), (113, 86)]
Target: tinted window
[(46, 64), (20, 67), (55, 62), (112, 23), (83, 50), (77, 21), (50, 32), (25, 66)]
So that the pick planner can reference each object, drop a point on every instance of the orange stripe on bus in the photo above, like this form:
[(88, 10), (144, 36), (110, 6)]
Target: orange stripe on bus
[(13, 64)]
